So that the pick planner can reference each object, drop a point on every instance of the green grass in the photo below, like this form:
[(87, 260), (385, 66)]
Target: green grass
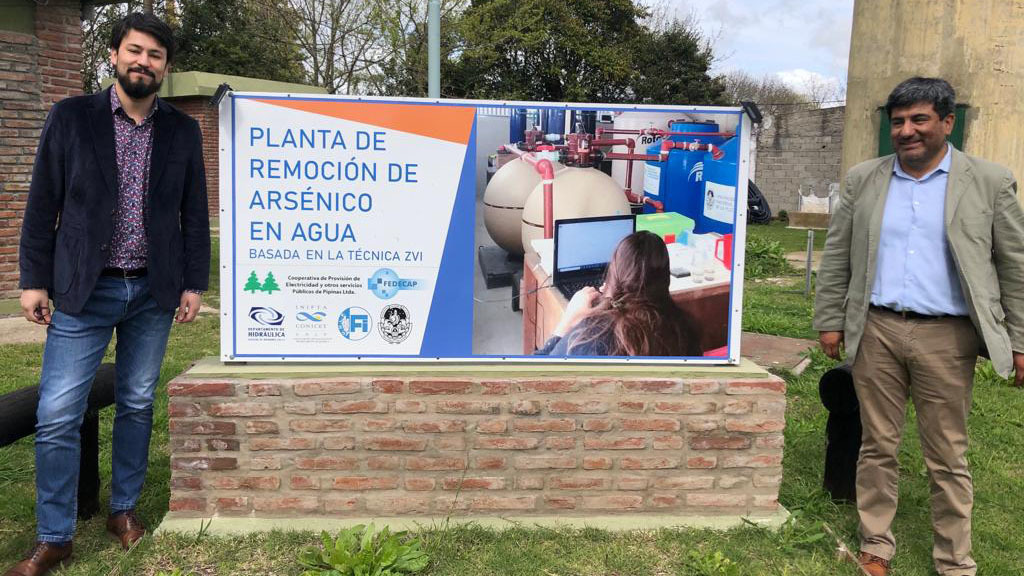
[(799, 548), (792, 240)]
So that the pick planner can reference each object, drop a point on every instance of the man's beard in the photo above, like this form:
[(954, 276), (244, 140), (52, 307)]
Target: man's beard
[(140, 89)]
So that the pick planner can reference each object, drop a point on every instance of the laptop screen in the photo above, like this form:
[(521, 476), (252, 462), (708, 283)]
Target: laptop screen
[(585, 244)]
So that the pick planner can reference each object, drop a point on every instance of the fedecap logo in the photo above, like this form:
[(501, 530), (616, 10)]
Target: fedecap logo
[(266, 316), (385, 283), (395, 323), (354, 323)]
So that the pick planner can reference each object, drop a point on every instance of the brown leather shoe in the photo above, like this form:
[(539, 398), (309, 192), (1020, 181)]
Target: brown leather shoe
[(126, 527), (873, 565), (43, 557)]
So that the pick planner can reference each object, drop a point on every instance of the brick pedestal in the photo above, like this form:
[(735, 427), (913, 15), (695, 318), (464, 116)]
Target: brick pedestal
[(436, 441)]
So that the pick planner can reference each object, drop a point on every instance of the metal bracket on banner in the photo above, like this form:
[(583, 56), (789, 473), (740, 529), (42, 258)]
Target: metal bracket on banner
[(222, 90), (753, 111)]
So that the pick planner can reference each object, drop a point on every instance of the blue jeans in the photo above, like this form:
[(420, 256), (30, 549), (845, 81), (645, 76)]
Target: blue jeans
[(74, 349)]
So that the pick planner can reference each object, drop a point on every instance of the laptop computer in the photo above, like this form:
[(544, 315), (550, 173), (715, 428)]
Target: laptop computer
[(583, 249)]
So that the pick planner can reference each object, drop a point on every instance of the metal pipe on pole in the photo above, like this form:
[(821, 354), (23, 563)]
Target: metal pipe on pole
[(434, 48)]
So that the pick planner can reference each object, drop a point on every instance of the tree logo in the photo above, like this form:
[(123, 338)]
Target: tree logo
[(269, 284)]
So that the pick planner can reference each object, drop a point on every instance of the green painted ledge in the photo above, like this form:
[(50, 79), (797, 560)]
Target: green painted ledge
[(211, 367), (225, 525)]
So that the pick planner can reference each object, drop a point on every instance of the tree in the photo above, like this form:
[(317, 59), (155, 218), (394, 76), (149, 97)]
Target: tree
[(769, 92), (253, 283), (238, 37), (672, 64), (270, 284), (97, 28)]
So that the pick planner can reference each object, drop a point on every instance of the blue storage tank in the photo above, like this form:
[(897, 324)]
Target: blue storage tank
[(679, 183), (517, 125), (718, 203)]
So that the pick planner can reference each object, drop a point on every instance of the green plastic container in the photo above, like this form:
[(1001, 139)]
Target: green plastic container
[(665, 223)]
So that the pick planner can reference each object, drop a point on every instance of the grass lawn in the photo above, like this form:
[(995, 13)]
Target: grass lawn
[(800, 548), (792, 239)]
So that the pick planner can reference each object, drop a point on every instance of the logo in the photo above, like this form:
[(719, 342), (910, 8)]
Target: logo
[(310, 326), (266, 316), (268, 286), (698, 171), (354, 323), (385, 283), (317, 316), (395, 324)]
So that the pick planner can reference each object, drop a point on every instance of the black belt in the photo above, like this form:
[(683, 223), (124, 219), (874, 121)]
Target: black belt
[(911, 315), (122, 273)]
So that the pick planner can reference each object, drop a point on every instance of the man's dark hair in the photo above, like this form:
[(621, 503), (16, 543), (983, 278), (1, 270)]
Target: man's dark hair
[(917, 89), (147, 23)]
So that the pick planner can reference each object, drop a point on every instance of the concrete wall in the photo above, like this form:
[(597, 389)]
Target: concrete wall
[(36, 70), (798, 148), (977, 45)]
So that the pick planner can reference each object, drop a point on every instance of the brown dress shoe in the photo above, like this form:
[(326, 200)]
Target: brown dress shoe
[(126, 527), (873, 565), (43, 557)]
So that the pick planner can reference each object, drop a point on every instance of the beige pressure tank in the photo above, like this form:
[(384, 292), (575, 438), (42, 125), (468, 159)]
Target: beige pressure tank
[(504, 199), (578, 193)]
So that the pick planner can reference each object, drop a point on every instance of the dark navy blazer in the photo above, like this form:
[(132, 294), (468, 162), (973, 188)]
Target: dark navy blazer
[(69, 218)]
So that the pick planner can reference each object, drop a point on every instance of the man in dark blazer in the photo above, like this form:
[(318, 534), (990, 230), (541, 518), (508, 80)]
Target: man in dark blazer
[(116, 233)]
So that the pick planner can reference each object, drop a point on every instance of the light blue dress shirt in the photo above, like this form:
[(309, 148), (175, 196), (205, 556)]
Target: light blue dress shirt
[(915, 269)]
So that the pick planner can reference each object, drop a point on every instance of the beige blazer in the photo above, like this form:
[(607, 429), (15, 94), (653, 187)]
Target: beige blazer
[(985, 231)]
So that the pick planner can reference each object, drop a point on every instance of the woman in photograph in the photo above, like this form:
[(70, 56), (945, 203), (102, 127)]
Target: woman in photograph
[(632, 314)]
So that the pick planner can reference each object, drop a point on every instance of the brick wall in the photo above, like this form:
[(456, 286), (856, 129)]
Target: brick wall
[(35, 72), (799, 148), (198, 108), (578, 445)]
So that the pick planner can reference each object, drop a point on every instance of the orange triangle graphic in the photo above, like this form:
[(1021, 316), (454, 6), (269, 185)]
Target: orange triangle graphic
[(450, 123)]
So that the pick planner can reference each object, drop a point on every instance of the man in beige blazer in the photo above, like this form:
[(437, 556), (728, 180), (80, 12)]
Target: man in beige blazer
[(923, 268)]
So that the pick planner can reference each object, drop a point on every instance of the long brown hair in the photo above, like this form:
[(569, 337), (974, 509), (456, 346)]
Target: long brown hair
[(635, 314)]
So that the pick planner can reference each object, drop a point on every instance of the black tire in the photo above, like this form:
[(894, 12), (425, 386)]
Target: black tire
[(758, 210)]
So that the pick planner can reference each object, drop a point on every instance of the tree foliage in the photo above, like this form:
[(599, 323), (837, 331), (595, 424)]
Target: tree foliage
[(673, 67)]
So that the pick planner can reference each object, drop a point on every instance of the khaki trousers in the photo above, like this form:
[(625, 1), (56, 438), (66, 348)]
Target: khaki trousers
[(932, 362)]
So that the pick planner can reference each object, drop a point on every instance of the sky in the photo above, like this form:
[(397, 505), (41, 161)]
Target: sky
[(800, 41)]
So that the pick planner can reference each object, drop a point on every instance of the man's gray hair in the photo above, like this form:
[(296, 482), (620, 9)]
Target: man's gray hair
[(917, 89)]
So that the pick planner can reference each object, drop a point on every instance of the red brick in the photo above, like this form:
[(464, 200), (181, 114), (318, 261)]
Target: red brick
[(244, 483), (703, 424), (434, 426), (668, 442), (236, 504), (597, 424), (304, 483), (631, 483), (204, 463), (187, 505), (200, 389), (287, 504), (319, 425), (560, 442), (364, 483), (202, 427), (393, 443), (771, 407), (597, 463), (256, 389), (264, 463), (282, 444), (631, 406), (261, 427), (525, 407), (761, 461), (439, 387), (410, 406), (685, 407), (341, 504), (603, 443), (658, 386), (378, 425), (755, 426), (530, 425), (467, 407), (388, 386), (300, 408), (730, 482), (717, 500), (684, 482), (339, 443), (529, 483), (428, 463), (577, 407), (241, 409), (766, 501), (488, 503), (221, 445), (449, 443), (664, 501), (578, 483), (419, 484), (398, 504), (325, 388), (490, 463), (383, 463), (186, 483), (773, 385), (479, 483), (612, 502), (719, 442), (770, 441), (657, 463), (506, 443), (702, 462), (767, 480), (545, 462), (495, 388), (355, 407), (650, 424), (734, 407), (703, 386), (184, 410), (179, 445), (548, 386), (492, 427), (560, 502), (327, 463)]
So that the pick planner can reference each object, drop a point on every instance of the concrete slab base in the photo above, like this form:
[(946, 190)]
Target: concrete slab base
[(226, 525)]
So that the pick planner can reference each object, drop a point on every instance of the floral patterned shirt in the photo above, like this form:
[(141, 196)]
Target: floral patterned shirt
[(134, 145)]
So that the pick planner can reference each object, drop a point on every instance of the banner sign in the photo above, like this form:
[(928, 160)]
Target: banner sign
[(350, 228)]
